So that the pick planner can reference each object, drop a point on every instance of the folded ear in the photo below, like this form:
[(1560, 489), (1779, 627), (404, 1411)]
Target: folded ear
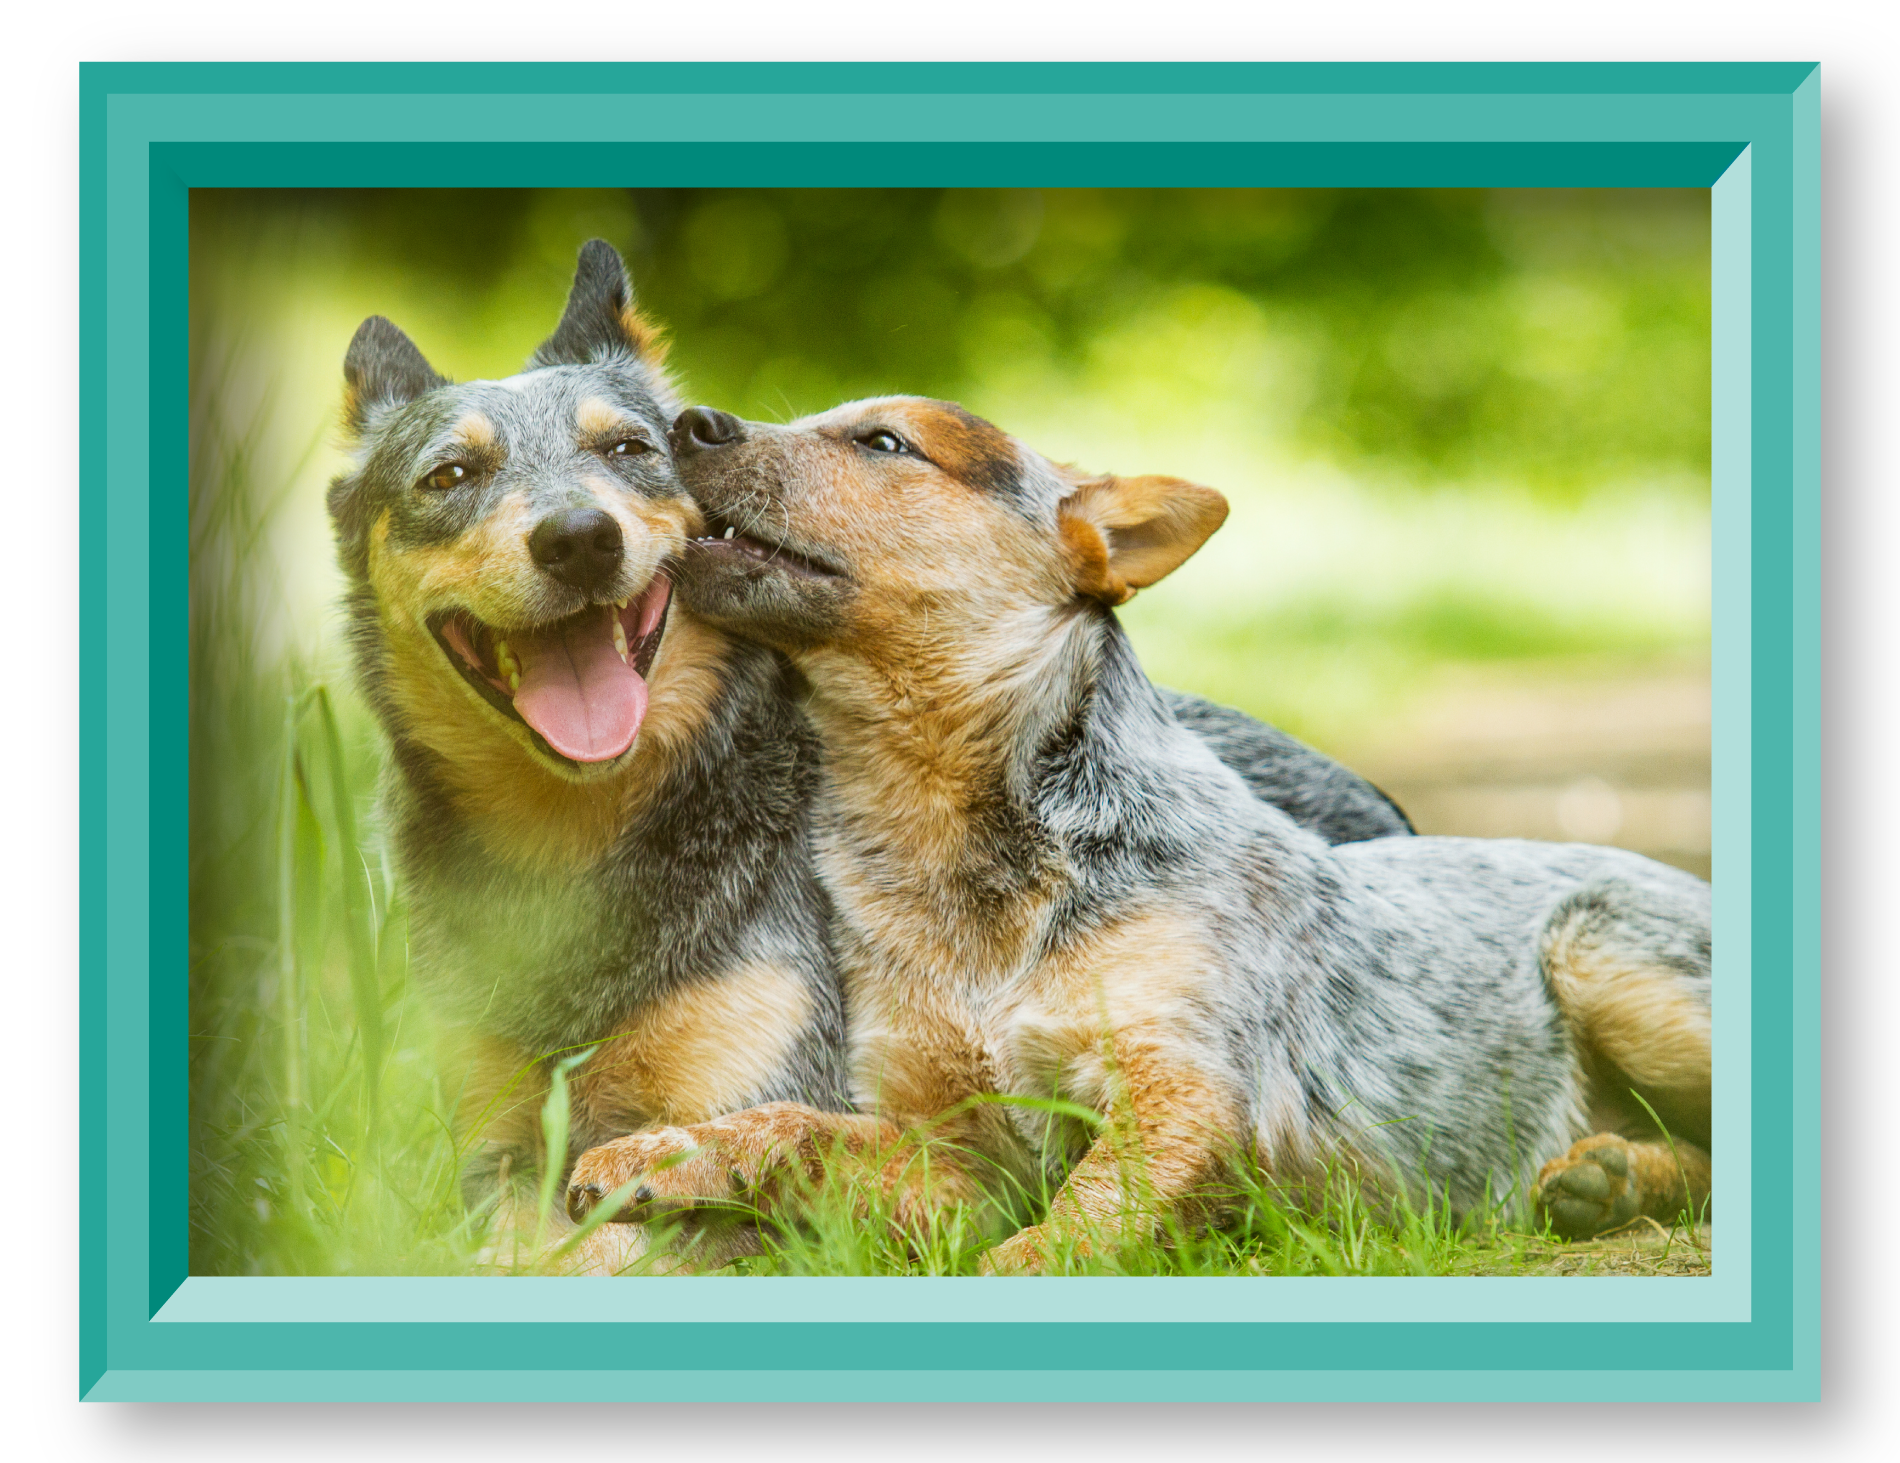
[(600, 320), (382, 368), (1124, 534)]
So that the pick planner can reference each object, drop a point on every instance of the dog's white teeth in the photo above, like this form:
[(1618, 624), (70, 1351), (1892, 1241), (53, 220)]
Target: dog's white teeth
[(730, 531), (620, 639), (514, 681), (505, 661), (620, 604)]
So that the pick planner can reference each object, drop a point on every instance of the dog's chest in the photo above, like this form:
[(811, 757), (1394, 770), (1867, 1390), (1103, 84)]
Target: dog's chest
[(1060, 1026), (922, 1047)]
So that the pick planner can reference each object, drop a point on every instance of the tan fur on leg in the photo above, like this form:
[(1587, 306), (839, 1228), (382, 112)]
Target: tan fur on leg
[(1164, 1156), (1640, 1020)]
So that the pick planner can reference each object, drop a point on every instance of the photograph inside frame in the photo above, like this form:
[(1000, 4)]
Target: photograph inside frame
[(938, 731)]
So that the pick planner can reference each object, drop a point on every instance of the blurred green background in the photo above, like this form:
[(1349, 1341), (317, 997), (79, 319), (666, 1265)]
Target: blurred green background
[(1456, 426), (1465, 435)]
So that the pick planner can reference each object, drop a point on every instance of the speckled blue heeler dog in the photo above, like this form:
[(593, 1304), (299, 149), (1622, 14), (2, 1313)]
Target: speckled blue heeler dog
[(1046, 886), (598, 801)]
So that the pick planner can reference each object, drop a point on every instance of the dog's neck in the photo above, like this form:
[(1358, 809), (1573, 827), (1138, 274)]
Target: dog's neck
[(526, 814), (932, 713), (939, 767)]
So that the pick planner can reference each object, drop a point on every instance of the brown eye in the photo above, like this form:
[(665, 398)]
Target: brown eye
[(448, 475), (629, 447), (883, 442)]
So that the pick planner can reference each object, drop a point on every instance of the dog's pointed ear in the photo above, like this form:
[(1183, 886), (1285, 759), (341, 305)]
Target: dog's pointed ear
[(382, 368), (1123, 534), (600, 320)]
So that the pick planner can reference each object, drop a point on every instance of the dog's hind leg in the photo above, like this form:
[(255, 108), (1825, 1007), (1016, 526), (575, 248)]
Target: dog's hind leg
[(1628, 965)]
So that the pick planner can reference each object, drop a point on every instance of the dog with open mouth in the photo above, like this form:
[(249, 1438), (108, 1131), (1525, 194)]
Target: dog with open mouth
[(596, 803), (599, 803), (1049, 895)]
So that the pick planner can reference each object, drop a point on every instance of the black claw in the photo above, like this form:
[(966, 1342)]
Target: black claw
[(580, 1199), (643, 1195), (737, 1180)]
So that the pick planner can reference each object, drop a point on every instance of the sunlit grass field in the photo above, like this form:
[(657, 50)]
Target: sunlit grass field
[(1340, 587)]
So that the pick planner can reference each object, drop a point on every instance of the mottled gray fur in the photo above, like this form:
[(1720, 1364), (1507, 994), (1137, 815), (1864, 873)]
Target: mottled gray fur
[(1392, 991), (1388, 1001)]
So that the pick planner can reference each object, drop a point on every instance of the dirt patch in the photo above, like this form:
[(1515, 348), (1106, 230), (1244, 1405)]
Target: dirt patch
[(1612, 756), (1643, 1249)]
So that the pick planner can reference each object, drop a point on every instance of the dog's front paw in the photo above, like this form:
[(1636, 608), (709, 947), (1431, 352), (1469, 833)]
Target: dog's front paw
[(739, 1161), (665, 1171), (1592, 1188)]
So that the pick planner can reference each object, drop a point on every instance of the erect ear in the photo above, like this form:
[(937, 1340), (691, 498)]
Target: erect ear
[(382, 368), (1124, 534), (600, 320)]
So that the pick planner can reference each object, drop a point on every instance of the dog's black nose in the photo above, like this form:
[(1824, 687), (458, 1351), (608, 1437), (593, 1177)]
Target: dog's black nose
[(700, 427), (580, 547)]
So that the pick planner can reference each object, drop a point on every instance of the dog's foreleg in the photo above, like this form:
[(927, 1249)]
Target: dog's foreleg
[(1167, 1146), (766, 1163), (751, 1159)]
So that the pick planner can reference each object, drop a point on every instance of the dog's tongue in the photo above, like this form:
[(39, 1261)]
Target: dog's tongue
[(577, 691)]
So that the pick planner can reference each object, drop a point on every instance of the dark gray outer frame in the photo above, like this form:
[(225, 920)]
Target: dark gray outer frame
[(1861, 802)]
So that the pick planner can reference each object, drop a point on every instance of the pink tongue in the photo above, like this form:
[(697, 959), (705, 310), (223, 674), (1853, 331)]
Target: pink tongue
[(577, 691)]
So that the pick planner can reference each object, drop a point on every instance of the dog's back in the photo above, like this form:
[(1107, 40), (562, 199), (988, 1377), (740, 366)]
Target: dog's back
[(1334, 801)]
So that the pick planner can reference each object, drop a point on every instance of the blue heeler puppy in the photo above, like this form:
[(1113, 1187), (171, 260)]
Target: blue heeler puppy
[(1045, 885)]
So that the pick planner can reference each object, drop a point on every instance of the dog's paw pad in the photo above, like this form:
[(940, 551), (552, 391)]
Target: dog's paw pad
[(1589, 1189)]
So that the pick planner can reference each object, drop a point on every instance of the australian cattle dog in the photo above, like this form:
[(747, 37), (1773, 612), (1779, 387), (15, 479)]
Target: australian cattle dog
[(1047, 889)]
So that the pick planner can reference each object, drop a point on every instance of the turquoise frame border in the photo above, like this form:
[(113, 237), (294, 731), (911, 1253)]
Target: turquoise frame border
[(151, 132)]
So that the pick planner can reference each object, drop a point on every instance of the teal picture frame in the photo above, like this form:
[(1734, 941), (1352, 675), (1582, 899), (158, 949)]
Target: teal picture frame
[(150, 133)]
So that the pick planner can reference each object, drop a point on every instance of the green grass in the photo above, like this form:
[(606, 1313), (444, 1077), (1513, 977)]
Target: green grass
[(321, 1142), (317, 1141), (1263, 1235)]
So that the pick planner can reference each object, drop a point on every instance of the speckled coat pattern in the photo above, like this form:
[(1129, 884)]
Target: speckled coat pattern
[(1047, 881), (1393, 993)]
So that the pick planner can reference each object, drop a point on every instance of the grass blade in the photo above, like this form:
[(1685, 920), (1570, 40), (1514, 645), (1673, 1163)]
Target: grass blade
[(554, 1129), (365, 987), (291, 810), (1687, 1219)]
